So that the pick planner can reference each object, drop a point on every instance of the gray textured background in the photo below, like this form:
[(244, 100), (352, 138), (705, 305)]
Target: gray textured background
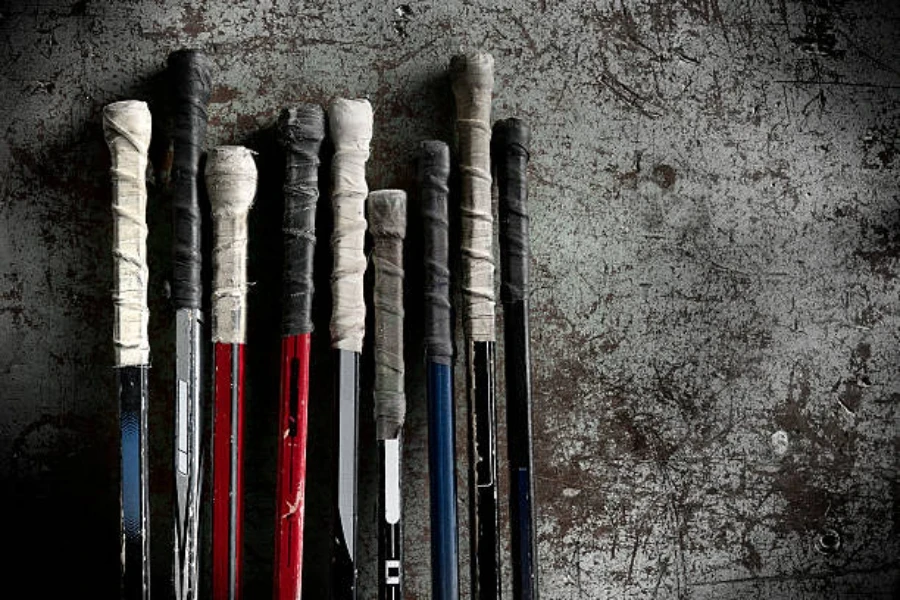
[(716, 233)]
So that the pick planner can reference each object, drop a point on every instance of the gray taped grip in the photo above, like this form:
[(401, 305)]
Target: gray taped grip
[(433, 175), (190, 81), (387, 224)]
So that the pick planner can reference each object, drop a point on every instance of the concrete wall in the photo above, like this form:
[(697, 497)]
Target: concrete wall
[(715, 256)]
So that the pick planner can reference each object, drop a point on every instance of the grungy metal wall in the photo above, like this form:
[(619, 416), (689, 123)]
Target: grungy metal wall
[(716, 234)]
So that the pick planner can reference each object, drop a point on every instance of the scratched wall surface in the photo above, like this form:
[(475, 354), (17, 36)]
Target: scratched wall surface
[(716, 235)]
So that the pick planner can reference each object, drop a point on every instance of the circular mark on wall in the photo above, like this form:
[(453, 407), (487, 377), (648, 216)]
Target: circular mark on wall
[(780, 442), (664, 176), (829, 542)]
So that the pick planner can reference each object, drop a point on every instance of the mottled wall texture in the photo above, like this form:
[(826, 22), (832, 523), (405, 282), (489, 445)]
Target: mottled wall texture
[(716, 302)]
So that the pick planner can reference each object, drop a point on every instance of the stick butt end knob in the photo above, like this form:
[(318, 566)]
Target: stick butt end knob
[(350, 121), (231, 179), (128, 119), (304, 122), (387, 213)]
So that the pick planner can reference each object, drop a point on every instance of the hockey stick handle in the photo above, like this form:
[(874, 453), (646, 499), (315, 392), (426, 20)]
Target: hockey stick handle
[(387, 223), (433, 175), (472, 77), (301, 130), (351, 132), (510, 154), (190, 80), (231, 182), (127, 126)]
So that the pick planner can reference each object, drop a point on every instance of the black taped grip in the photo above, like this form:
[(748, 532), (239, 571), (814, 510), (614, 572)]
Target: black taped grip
[(433, 173), (189, 78), (300, 131), (509, 150)]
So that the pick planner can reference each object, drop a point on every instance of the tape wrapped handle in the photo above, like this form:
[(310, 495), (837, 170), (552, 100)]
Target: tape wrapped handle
[(231, 178), (509, 151), (301, 130), (472, 77), (127, 126), (190, 78), (433, 175), (387, 224), (350, 123)]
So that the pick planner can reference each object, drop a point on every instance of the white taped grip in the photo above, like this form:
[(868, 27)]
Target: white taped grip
[(473, 81), (126, 127), (231, 184), (351, 131)]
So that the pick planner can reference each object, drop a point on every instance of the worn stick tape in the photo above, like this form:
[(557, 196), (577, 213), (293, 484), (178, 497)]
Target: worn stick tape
[(473, 81), (190, 78), (231, 184), (509, 148), (126, 127), (351, 131), (433, 174), (387, 224), (301, 130)]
